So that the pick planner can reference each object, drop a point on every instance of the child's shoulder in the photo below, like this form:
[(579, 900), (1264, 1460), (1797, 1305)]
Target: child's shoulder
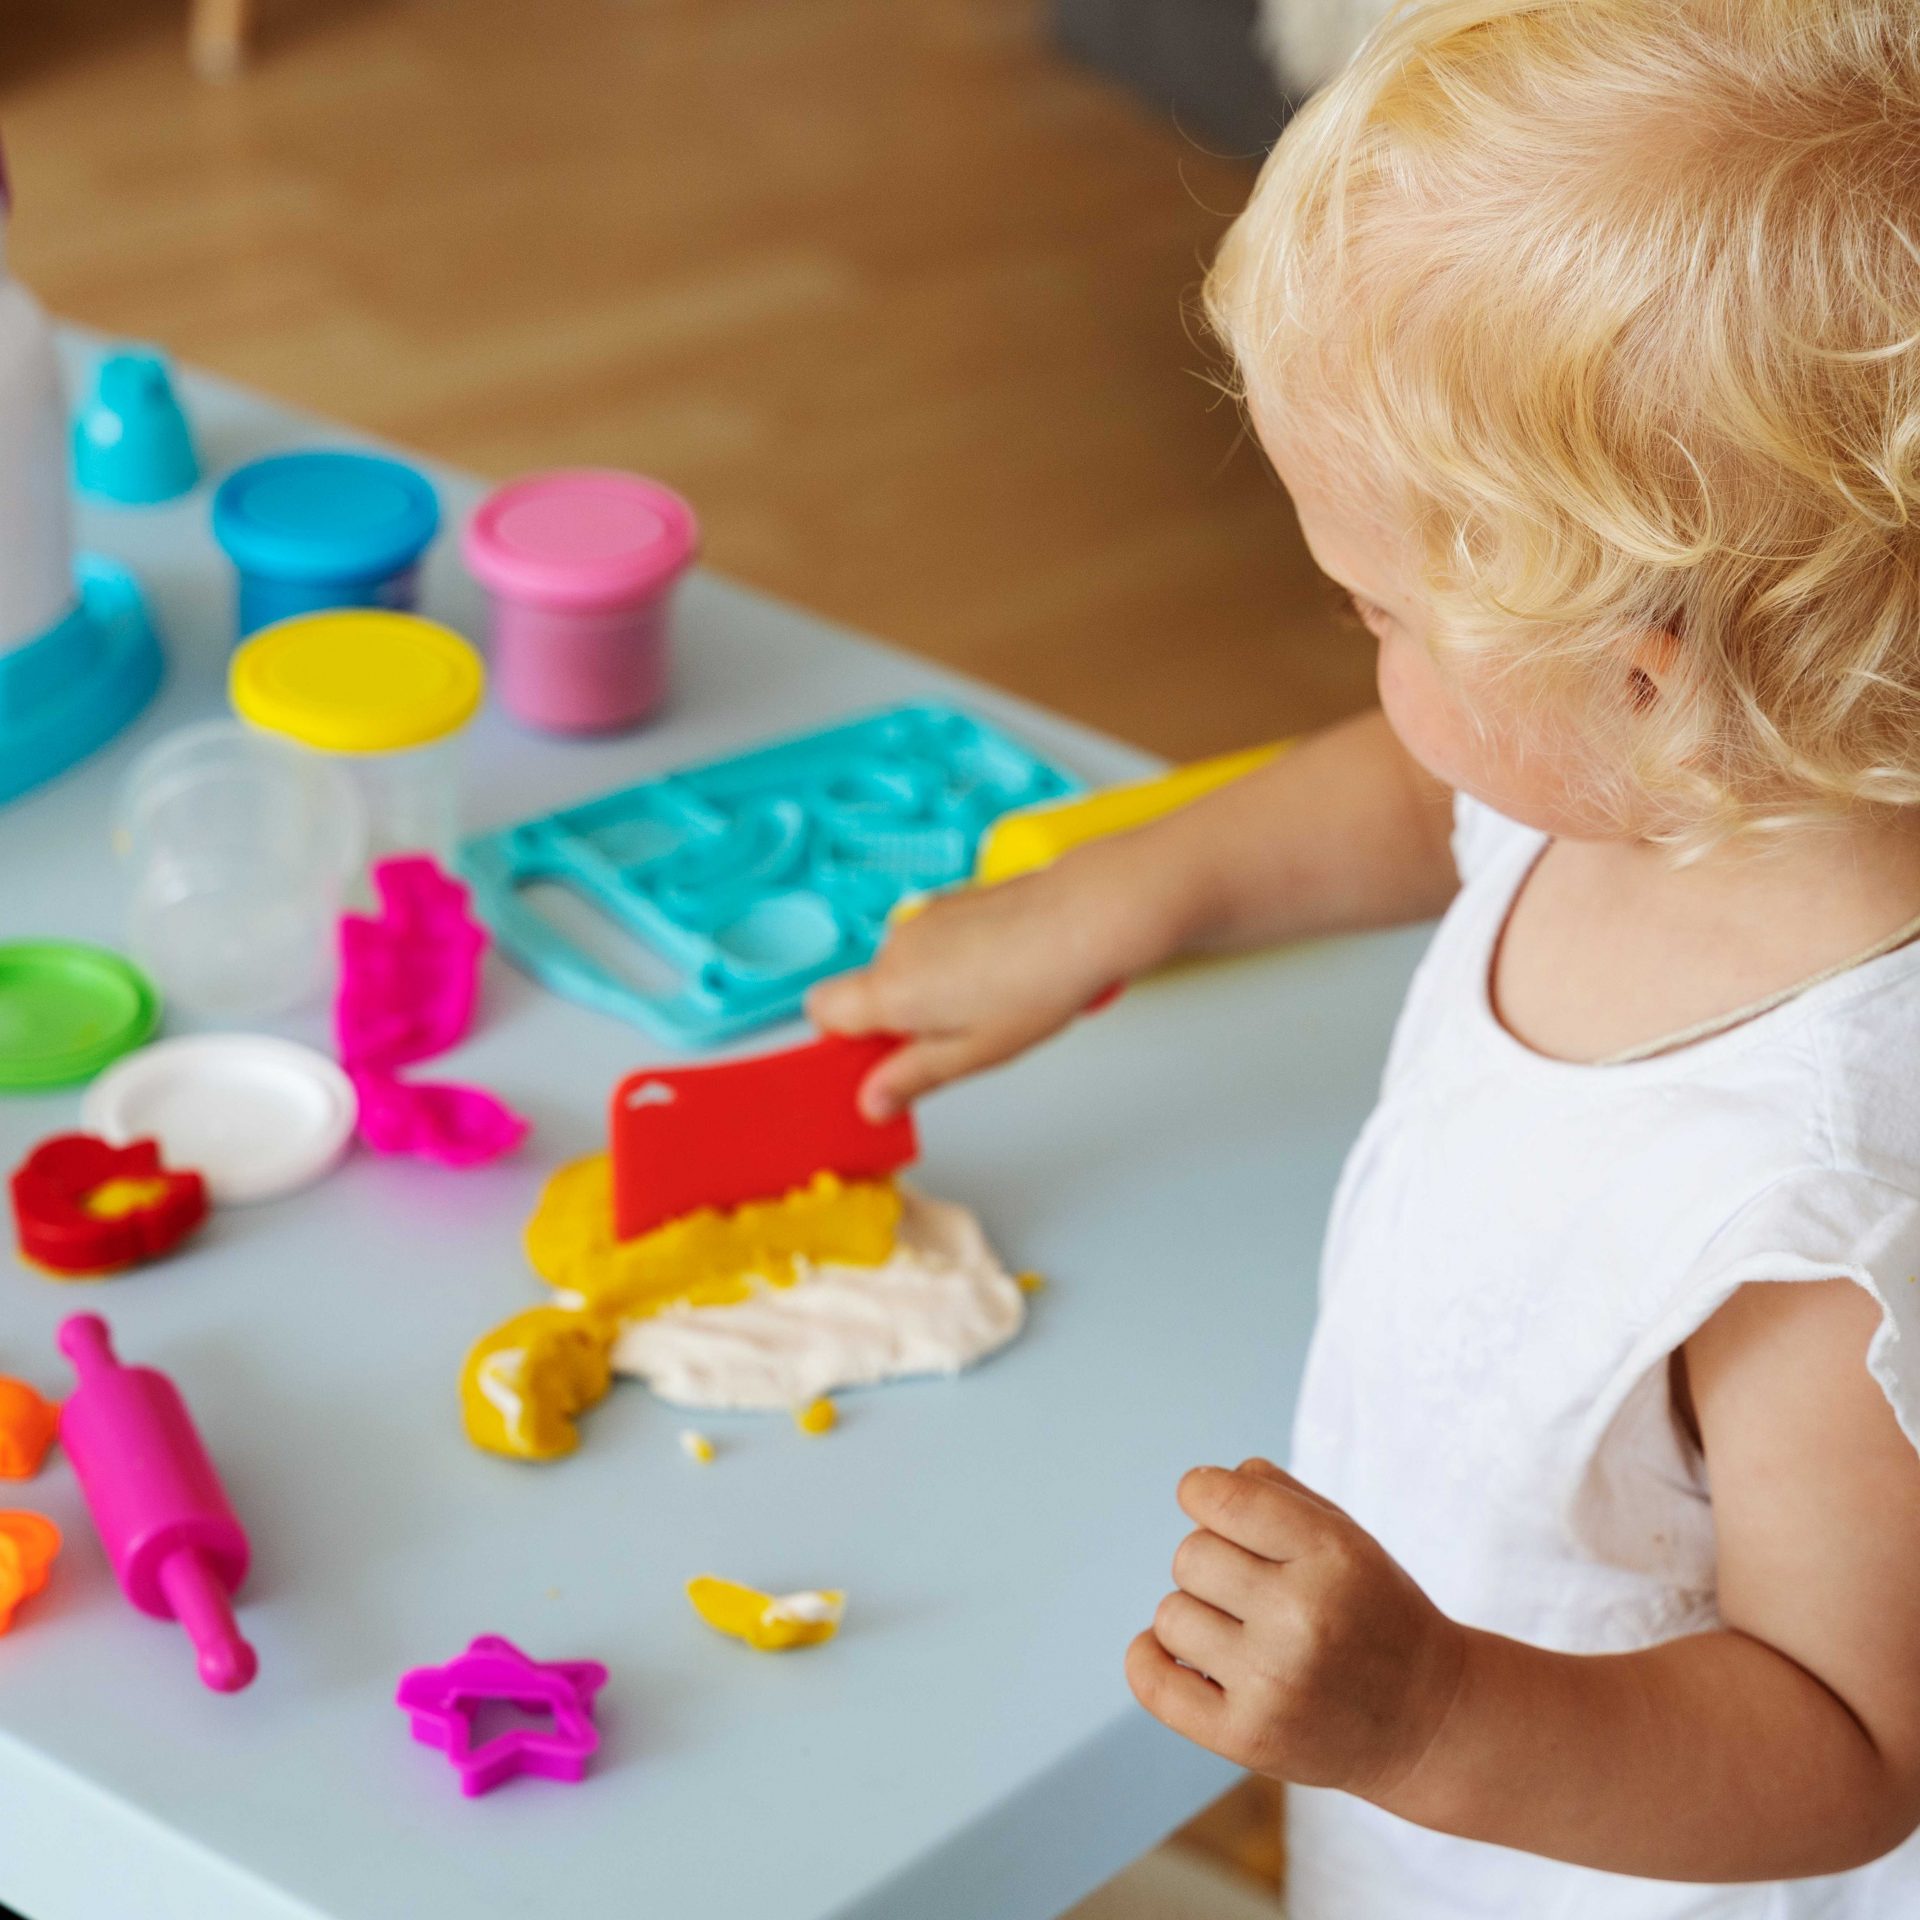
[(1857, 1041)]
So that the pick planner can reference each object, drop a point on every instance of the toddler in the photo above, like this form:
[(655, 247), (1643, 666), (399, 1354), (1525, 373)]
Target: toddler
[(1585, 335)]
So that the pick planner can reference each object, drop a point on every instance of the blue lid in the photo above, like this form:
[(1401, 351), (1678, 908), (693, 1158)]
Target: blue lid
[(325, 516)]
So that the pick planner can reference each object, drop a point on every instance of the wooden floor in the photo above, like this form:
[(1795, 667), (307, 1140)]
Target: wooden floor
[(898, 298)]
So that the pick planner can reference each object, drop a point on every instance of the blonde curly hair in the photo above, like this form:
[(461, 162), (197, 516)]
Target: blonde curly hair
[(1619, 302)]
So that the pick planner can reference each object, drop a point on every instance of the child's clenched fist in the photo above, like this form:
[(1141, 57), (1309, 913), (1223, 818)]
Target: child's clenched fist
[(1293, 1644)]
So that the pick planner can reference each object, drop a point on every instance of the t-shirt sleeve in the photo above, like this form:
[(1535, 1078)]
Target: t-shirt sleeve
[(1815, 1225), (1480, 836)]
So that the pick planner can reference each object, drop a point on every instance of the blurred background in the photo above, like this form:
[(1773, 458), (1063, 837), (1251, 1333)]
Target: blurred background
[(900, 293)]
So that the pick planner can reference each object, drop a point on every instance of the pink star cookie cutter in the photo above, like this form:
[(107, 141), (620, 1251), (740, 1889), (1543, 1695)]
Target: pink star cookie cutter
[(441, 1702)]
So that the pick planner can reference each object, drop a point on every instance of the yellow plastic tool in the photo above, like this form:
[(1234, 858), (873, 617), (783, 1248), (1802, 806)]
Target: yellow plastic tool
[(769, 1623), (1024, 842)]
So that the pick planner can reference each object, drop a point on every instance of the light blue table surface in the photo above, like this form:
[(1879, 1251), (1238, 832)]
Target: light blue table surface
[(967, 1747)]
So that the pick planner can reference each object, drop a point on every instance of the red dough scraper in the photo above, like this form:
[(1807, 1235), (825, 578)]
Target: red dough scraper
[(740, 1130)]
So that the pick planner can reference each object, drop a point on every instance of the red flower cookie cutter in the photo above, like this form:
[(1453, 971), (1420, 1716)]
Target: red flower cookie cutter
[(82, 1207)]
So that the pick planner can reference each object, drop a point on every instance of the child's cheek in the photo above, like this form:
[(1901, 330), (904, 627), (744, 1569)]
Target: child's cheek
[(1423, 714)]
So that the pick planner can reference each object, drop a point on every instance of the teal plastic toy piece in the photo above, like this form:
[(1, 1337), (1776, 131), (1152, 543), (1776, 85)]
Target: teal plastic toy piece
[(131, 440), (75, 686), (704, 904)]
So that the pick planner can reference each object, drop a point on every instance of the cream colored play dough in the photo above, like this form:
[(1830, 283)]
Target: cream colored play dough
[(941, 1301)]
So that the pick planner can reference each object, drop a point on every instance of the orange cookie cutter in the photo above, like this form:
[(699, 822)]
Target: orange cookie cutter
[(28, 1424), (29, 1545)]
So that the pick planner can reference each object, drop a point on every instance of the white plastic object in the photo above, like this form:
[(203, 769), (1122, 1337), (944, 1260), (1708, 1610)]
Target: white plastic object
[(242, 848), (255, 1116), (36, 523)]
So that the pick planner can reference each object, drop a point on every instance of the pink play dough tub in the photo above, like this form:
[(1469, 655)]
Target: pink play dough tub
[(581, 566)]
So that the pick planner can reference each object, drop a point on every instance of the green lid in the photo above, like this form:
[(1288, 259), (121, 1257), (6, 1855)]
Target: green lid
[(67, 1010)]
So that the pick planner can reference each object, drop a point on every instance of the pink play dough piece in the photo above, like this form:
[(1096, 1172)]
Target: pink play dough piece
[(409, 985), (457, 1126), (410, 976)]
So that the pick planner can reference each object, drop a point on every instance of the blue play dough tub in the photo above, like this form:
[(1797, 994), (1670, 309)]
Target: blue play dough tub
[(309, 531)]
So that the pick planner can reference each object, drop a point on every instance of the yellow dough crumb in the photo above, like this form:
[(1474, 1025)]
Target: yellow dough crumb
[(525, 1382), (817, 1417), (707, 1258), (696, 1446), (1032, 1282), (767, 1622)]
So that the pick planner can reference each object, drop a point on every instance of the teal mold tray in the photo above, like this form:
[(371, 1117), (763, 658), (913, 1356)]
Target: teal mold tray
[(704, 904)]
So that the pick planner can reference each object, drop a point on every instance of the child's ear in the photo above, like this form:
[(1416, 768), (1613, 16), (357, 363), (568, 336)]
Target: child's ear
[(1650, 666)]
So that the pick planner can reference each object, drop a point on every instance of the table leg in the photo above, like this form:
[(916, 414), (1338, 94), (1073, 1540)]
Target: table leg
[(217, 35)]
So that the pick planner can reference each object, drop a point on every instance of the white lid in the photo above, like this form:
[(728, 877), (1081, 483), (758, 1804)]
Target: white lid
[(255, 1116)]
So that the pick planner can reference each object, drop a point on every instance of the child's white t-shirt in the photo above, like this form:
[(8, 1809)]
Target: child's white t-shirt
[(1516, 1247)]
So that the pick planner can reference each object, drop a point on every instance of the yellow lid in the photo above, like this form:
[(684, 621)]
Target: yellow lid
[(357, 680)]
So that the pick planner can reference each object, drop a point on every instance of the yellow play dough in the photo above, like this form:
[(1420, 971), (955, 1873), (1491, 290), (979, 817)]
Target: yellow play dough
[(767, 1622), (115, 1199), (524, 1384), (706, 1258), (527, 1380)]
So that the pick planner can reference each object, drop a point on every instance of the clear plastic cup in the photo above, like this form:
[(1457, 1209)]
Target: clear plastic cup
[(242, 849), (411, 798), (385, 697)]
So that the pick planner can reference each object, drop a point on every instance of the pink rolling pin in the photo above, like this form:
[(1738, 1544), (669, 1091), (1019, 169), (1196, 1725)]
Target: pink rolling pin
[(156, 1500)]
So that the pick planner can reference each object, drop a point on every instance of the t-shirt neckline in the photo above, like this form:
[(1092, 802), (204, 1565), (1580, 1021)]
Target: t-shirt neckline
[(1676, 1062)]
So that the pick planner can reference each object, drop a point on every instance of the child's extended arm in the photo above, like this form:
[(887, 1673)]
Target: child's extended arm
[(1344, 831), (1785, 1744)]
